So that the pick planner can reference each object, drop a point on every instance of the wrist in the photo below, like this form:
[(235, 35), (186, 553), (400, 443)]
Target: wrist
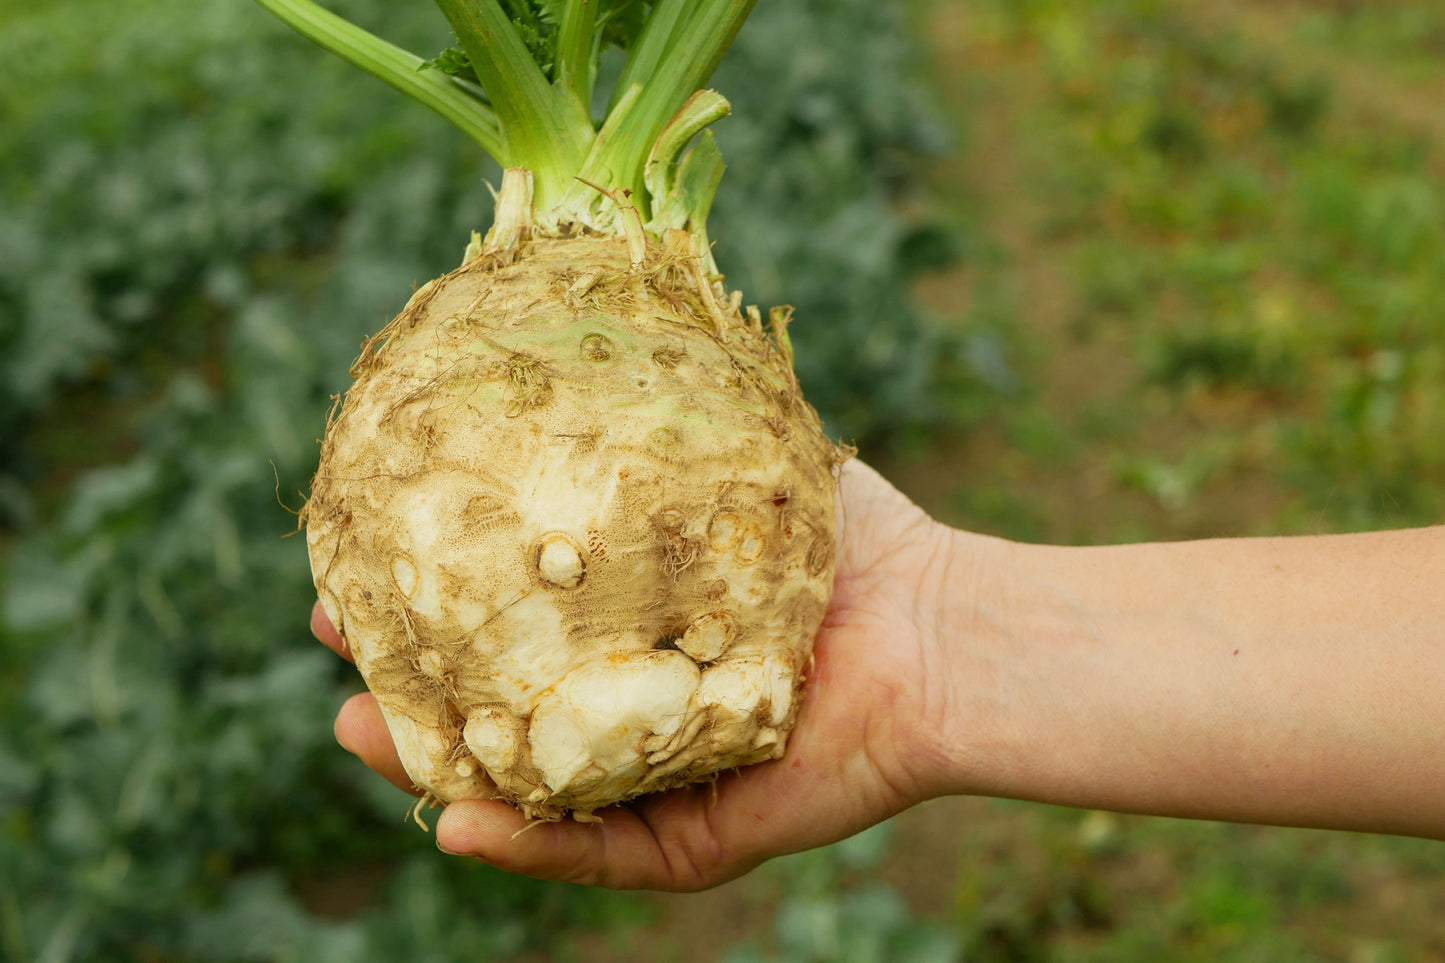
[(970, 711), (1016, 654)]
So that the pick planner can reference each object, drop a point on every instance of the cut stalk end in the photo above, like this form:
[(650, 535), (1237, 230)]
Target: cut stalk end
[(513, 221)]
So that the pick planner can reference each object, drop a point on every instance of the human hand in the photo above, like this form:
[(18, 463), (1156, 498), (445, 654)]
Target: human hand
[(869, 740)]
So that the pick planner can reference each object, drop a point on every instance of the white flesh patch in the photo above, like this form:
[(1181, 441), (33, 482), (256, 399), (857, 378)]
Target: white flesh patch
[(432, 664), (420, 747), (738, 687), (332, 608), (558, 561), (414, 573), (525, 642), (708, 637), (780, 680), (594, 724), (494, 736), (552, 498), (404, 573)]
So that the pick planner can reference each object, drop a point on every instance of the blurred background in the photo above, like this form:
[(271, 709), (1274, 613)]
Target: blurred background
[(1067, 271)]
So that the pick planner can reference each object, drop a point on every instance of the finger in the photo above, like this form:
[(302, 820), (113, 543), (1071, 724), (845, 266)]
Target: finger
[(624, 851), (322, 628), (497, 833), (361, 729), (683, 840)]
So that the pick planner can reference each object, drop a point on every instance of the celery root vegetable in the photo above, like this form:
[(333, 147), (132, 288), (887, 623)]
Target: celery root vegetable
[(574, 517)]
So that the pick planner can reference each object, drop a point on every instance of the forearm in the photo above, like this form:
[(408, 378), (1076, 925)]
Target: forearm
[(1294, 681)]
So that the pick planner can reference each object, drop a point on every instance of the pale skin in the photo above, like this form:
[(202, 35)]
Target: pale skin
[(1289, 681)]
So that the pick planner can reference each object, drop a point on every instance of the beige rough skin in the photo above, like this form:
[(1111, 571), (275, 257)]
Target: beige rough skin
[(576, 523)]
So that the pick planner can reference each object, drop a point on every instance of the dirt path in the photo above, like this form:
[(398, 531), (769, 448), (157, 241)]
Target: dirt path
[(990, 89)]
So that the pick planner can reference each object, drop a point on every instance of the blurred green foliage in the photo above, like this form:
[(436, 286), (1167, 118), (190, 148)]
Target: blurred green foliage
[(201, 217), (1406, 39), (833, 913), (1265, 232)]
